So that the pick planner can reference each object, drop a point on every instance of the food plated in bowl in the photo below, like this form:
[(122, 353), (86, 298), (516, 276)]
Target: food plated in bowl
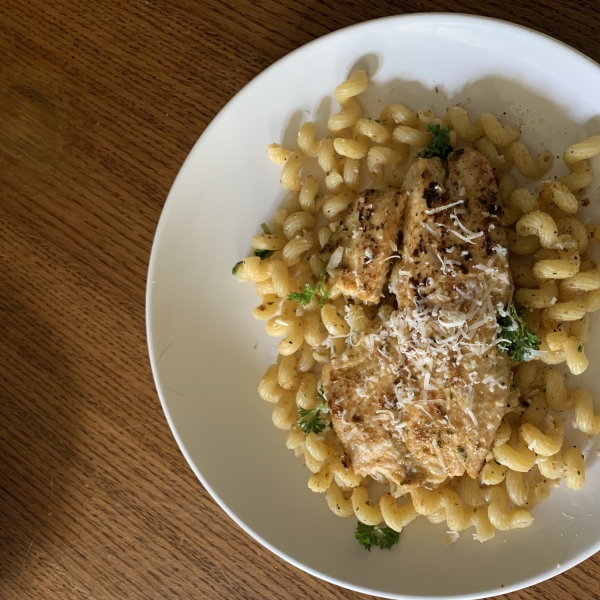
[(450, 275)]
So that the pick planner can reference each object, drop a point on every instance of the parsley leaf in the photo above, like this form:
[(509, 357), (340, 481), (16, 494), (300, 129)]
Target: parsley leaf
[(262, 254), (265, 228), (439, 145), (516, 339), (236, 267), (375, 535), (308, 294), (321, 394), (314, 420), (579, 348)]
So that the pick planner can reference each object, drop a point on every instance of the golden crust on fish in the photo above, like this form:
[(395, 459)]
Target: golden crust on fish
[(368, 233)]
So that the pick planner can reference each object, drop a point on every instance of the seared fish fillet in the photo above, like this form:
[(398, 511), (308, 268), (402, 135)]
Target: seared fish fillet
[(436, 386), (368, 234)]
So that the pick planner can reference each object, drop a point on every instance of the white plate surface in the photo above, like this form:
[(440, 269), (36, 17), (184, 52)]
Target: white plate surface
[(208, 353)]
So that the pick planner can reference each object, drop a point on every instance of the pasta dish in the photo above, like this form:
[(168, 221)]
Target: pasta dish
[(431, 291)]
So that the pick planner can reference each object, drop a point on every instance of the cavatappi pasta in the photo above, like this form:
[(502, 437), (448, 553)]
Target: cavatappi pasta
[(553, 277)]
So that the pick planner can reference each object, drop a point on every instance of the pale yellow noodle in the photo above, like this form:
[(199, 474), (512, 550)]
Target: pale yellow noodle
[(585, 418), (398, 114), (521, 460), (305, 358), (581, 151), (294, 249), (266, 241), (306, 140), (334, 181), (559, 194), (268, 308), (544, 444), (517, 488), (522, 275), (337, 204), (308, 198), (502, 518), (581, 328), (284, 412), (365, 513), (286, 375), (499, 135), (350, 148), (318, 446), (574, 468), (298, 222), (326, 154), (565, 311), (592, 301), (294, 338), (576, 229), (575, 355), (376, 132), (492, 473), (337, 502), (562, 268), (499, 162), (395, 517), (351, 174), (507, 183), (537, 409), (522, 245), (290, 179), (268, 387), (532, 168), (411, 136), (460, 122), (278, 154), (540, 224)]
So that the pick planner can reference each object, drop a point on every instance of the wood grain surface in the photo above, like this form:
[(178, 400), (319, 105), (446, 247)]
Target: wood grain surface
[(100, 102)]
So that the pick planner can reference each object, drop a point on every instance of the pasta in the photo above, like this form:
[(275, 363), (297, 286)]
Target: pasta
[(532, 168), (554, 280)]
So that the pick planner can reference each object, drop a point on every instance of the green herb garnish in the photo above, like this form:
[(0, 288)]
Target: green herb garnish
[(236, 267), (309, 293), (516, 339), (265, 228), (375, 535), (439, 145), (315, 420), (579, 348), (321, 394), (262, 254)]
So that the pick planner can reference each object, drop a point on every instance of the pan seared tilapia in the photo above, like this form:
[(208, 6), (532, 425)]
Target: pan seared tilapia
[(367, 234), (420, 399)]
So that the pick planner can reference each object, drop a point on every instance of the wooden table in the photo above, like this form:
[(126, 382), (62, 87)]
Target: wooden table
[(100, 102)]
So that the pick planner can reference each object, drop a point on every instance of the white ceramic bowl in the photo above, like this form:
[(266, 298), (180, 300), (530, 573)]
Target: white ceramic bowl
[(208, 353)]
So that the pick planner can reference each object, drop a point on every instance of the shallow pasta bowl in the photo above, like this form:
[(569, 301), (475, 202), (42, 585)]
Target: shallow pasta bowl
[(208, 353)]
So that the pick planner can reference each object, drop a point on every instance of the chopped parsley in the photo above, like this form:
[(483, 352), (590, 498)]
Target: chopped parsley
[(375, 535), (309, 293), (262, 254), (580, 348), (316, 419), (516, 339), (265, 228), (236, 267), (439, 145), (321, 394)]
